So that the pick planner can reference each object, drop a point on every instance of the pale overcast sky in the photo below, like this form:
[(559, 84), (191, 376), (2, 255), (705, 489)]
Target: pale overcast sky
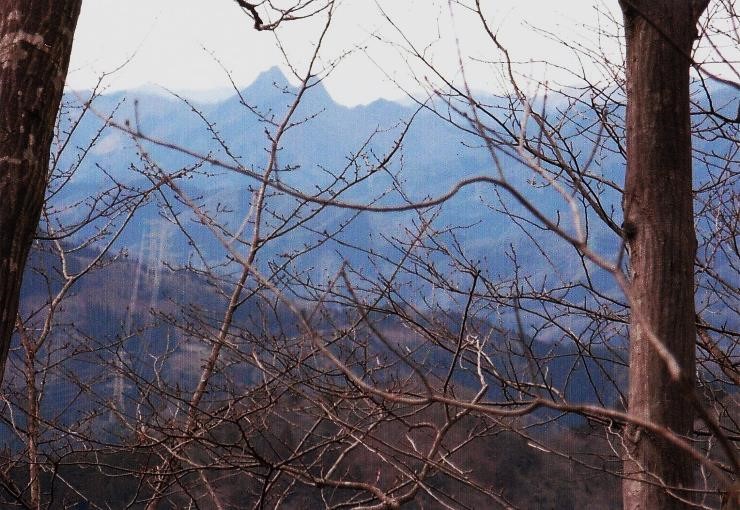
[(172, 40)]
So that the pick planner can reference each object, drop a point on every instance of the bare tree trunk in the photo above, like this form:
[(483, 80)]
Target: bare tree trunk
[(35, 44), (33, 410), (658, 210)]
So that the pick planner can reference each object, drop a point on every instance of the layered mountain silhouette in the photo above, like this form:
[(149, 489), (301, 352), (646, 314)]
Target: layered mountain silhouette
[(327, 138), (484, 224)]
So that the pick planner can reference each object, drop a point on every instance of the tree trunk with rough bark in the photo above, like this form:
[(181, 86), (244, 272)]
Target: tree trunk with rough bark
[(659, 227), (35, 45)]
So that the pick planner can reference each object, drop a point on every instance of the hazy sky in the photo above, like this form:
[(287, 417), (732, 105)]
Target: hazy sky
[(172, 42)]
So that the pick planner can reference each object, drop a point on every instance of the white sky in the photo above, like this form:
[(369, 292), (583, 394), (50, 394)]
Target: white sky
[(171, 42)]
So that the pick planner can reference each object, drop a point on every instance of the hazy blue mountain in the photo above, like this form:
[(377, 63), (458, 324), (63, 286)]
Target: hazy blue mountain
[(434, 155)]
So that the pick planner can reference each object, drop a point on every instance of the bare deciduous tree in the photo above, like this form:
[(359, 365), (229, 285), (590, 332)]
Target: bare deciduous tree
[(35, 45), (659, 228)]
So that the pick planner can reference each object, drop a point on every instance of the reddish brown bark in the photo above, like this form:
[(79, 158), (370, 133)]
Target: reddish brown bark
[(658, 209), (35, 45)]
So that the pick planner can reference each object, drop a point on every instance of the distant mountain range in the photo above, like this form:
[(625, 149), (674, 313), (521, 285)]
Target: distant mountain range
[(326, 138), (434, 155)]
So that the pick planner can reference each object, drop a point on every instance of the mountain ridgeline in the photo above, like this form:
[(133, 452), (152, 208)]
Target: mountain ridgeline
[(326, 137), (482, 224)]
